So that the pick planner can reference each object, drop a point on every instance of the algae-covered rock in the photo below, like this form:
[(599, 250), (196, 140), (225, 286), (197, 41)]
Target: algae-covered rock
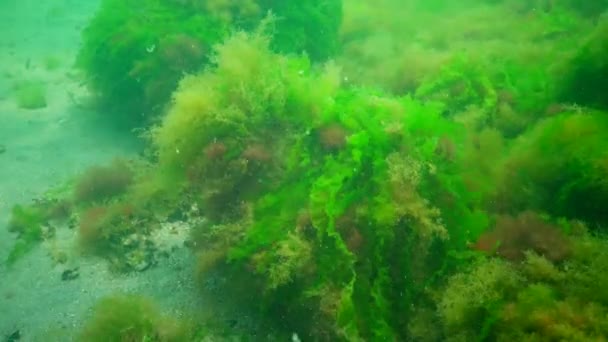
[(134, 53)]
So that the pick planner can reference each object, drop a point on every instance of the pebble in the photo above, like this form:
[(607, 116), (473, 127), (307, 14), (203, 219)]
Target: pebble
[(2, 148), (70, 274), (15, 336)]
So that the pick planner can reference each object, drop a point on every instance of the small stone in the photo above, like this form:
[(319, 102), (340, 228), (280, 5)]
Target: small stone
[(2, 149), (15, 336), (70, 274)]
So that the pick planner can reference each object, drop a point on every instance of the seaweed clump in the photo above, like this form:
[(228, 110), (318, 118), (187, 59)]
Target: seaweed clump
[(132, 318), (135, 53), (30, 94), (313, 189), (512, 237), (27, 223), (535, 299), (34, 223), (112, 222), (100, 183), (559, 166), (583, 74), (118, 232)]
